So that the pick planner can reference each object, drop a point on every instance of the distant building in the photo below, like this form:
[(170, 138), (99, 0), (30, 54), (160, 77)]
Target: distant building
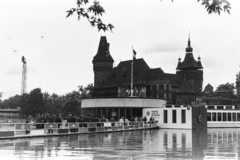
[(112, 81), (208, 88), (10, 113), (219, 97)]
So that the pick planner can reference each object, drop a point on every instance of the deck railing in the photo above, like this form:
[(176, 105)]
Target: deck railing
[(18, 130)]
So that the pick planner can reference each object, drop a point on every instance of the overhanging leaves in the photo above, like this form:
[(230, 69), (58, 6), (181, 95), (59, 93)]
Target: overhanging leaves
[(216, 6), (92, 13)]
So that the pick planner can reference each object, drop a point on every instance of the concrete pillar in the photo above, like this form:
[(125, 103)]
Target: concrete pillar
[(106, 113), (131, 113), (125, 114), (118, 113)]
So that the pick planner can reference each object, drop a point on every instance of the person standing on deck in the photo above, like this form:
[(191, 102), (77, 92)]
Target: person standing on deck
[(145, 119), (121, 121), (50, 120), (58, 120), (112, 120)]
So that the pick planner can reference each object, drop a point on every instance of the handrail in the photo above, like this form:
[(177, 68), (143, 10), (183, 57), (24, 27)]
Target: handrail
[(18, 130)]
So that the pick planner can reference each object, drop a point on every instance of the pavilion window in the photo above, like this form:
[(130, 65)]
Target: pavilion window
[(219, 115), (229, 116), (224, 116), (214, 116), (238, 116), (183, 116), (209, 117), (165, 116), (174, 116), (234, 117)]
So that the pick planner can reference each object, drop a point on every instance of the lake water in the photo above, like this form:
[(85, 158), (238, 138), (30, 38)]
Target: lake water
[(130, 145)]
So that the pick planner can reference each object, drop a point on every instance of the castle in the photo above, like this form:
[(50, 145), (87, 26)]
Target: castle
[(179, 88)]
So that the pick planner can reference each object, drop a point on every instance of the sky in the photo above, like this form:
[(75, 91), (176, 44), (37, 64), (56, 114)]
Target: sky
[(59, 50)]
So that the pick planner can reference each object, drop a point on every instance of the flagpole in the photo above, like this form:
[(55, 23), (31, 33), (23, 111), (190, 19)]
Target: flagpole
[(132, 77)]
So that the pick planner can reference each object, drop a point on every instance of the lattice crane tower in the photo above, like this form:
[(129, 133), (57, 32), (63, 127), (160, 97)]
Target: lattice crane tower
[(24, 76)]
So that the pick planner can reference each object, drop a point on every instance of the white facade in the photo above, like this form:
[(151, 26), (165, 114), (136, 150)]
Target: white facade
[(223, 116), (158, 114), (123, 102)]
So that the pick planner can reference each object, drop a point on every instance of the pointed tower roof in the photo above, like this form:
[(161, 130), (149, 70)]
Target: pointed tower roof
[(199, 62), (185, 88), (103, 53), (189, 61), (179, 63)]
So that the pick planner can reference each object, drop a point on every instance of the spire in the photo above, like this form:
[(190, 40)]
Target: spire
[(189, 42), (189, 48)]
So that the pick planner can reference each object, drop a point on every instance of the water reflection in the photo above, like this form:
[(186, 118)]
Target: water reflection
[(147, 144)]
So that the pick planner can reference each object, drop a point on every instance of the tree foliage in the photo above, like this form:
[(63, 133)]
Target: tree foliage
[(73, 100), (53, 103), (32, 103), (37, 102), (228, 87), (216, 6), (85, 92), (72, 103), (11, 102), (24, 107), (92, 12)]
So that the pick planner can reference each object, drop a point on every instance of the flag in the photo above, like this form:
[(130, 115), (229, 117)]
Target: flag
[(134, 54)]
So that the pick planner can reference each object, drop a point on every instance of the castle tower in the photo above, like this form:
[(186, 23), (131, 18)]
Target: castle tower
[(191, 69), (102, 62), (238, 85)]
